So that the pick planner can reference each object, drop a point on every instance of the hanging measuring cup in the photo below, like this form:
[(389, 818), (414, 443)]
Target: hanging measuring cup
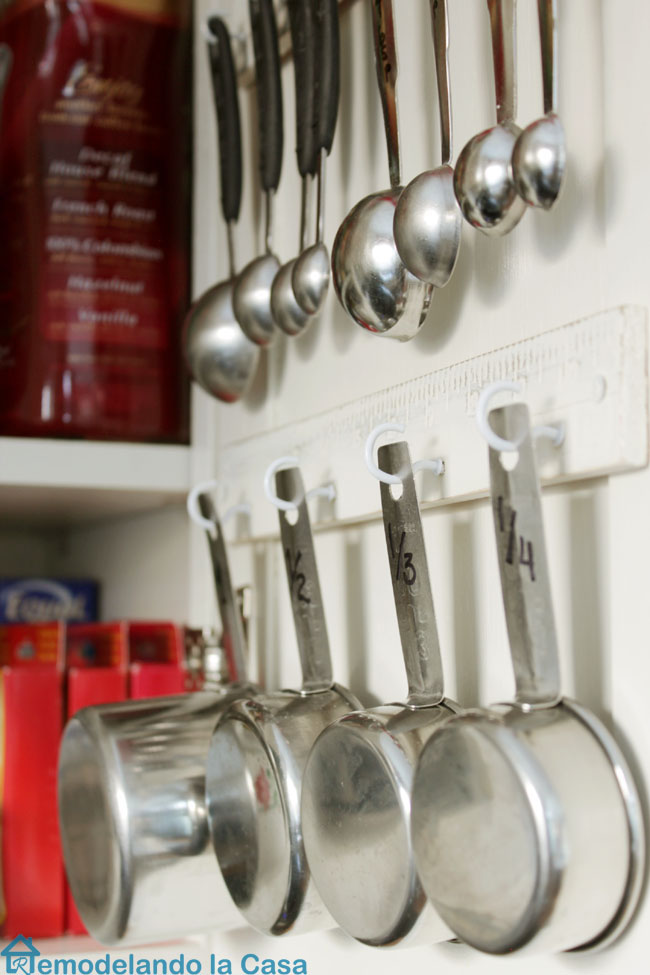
[(132, 810), (356, 801), (258, 752), (526, 819)]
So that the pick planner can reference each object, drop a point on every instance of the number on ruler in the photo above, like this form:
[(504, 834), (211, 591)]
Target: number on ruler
[(296, 579), (404, 562), (525, 554)]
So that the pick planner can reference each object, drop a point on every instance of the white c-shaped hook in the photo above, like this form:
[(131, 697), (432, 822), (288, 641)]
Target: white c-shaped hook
[(205, 487), (555, 433), (325, 491), (437, 466)]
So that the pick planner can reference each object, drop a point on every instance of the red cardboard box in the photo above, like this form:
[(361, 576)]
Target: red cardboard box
[(31, 686), (156, 659)]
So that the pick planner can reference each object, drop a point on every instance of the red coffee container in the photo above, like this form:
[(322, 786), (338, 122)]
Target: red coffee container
[(95, 171)]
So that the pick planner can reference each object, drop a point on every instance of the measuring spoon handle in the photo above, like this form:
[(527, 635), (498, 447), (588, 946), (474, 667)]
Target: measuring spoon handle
[(304, 584), (328, 72), (523, 566), (224, 88), (269, 92), (547, 12), (232, 638), (302, 23), (386, 65), (440, 28), (502, 25), (407, 558)]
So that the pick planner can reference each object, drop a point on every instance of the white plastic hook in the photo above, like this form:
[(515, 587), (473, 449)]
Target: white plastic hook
[(555, 433), (325, 491), (206, 487), (436, 466)]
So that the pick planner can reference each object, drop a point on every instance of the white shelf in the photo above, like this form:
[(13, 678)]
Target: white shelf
[(69, 482)]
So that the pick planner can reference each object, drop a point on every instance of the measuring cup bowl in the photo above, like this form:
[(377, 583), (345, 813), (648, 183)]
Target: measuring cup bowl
[(527, 829), (133, 820), (484, 182), (370, 280), (253, 785), (356, 805)]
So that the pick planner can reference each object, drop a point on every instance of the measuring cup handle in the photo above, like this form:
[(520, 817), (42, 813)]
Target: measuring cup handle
[(523, 566), (440, 28), (328, 72), (547, 13), (304, 584), (233, 638), (302, 23)]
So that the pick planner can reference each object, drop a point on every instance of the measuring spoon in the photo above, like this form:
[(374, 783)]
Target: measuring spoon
[(311, 273), (252, 292), (258, 751), (428, 222), (370, 280), (539, 156), (526, 819), (132, 812), (356, 797), (287, 313), (483, 179), (220, 358)]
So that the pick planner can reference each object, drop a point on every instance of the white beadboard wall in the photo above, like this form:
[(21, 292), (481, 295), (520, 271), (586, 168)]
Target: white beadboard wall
[(589, 255)]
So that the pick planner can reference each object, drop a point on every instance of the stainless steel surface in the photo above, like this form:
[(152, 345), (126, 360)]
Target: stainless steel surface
[(483, 178), (131, 794), (370, 280), (357, 784), (427, 224), (220, 358), (311, 273), (251, 299), (257, 755), (539, 156), (133, 821), (526, 819), (285, 309)]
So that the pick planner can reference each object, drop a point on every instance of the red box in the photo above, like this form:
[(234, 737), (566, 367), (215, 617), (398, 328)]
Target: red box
[(96, 658), (156, 659), (31, 683)]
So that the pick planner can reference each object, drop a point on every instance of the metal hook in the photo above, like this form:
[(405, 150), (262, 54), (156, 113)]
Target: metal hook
[(436, 466), (554, 432), (325, 491), (205, 487)]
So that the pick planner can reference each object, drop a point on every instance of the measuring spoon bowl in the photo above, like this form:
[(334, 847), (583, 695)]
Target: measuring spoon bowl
[(251, 299), (484, 183), (539, 162), (286, 311), (356, 804), (370, 280), (428, 226), (311, 277), (220, 357)]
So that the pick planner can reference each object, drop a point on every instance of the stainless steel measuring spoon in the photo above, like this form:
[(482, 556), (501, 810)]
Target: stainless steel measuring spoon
[(356, 799), (258, 751), (526, 819), (132, 814)]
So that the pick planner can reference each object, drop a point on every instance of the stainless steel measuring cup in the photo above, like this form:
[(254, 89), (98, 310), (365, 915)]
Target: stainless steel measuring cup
[(526, 819), (356, 799), (132, 810), (258, 751)]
